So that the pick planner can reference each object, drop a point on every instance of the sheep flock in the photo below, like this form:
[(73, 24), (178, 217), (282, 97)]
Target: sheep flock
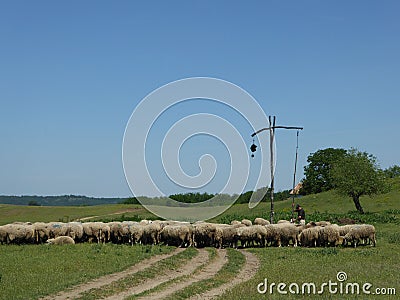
[(245, 233)]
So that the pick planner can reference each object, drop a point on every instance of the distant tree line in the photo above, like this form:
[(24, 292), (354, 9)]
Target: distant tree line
[(186, 198), (191, 197), (62, 200)]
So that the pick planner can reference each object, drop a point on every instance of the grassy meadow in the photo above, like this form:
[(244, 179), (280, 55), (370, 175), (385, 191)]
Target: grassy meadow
[(31, 271)]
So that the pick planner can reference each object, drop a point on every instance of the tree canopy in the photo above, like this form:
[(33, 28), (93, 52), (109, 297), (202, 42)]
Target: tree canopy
[(191, 197), (317, 173), (356, 174), (392, 172)]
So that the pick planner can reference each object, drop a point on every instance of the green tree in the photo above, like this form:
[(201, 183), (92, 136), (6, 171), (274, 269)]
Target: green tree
[(191, 197), (357, 174), (392, 172), (317, 173), (131, 200)]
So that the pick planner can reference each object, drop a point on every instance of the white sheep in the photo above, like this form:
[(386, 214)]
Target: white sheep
[(75, 230), (251, 235), (247, 222), (273, 236), (18, 233), (151, 233), (343, 230), (3, 234), (135, 233), (360, 232), (96, 231), (226, 235), (61, 240), (283, 222), (329, 235), (204, 234), (309, 237), (177, 235), (260, 221), (288, 232), (323, 223)]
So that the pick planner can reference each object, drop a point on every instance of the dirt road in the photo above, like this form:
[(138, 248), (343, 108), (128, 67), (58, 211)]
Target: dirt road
[(165, 284)]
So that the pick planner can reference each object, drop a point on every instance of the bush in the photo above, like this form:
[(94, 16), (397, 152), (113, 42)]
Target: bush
[(132, 200), (33, 203)]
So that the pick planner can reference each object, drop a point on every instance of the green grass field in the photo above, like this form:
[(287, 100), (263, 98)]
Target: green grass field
[(12, 213), (31, 271)]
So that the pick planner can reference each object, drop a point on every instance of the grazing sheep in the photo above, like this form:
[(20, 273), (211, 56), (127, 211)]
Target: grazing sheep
[(135, 233), (57, 229), (75, 230), (96, 231), (19, 234), (251, 235), (343, 230), (204, 234), (200, 234), (247, 222), (226, 236), (61, 240), (42, 232), (177, 235), (3, 234), (145, 222), (309, 237), (369, 233), (288, 232), (323, 223), (283, 222), (273, 237), (358, 233), (310, 224), (329, 235), (118, 232), (151, 233), (260, 221), (319, 223)]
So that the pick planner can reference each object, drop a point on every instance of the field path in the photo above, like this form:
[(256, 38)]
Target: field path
[(76, 291), (207, 272), (250, 269), (200, 259), (198, 268), (120, 212)]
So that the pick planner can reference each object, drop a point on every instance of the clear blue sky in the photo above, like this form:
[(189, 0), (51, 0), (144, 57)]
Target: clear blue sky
[(72, 72)]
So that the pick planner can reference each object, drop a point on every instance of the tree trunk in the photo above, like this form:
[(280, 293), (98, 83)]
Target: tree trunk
[(356, 200)]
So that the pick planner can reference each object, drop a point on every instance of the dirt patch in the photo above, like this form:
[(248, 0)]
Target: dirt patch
[(185, 270), (250, 269), (207, 272)]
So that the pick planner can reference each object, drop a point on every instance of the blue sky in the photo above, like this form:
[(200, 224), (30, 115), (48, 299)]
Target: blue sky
[(71, 73)]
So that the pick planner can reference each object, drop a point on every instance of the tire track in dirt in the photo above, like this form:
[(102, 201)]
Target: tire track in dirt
[(200, 259), (77, 290), (207, 272), (250, 269)]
